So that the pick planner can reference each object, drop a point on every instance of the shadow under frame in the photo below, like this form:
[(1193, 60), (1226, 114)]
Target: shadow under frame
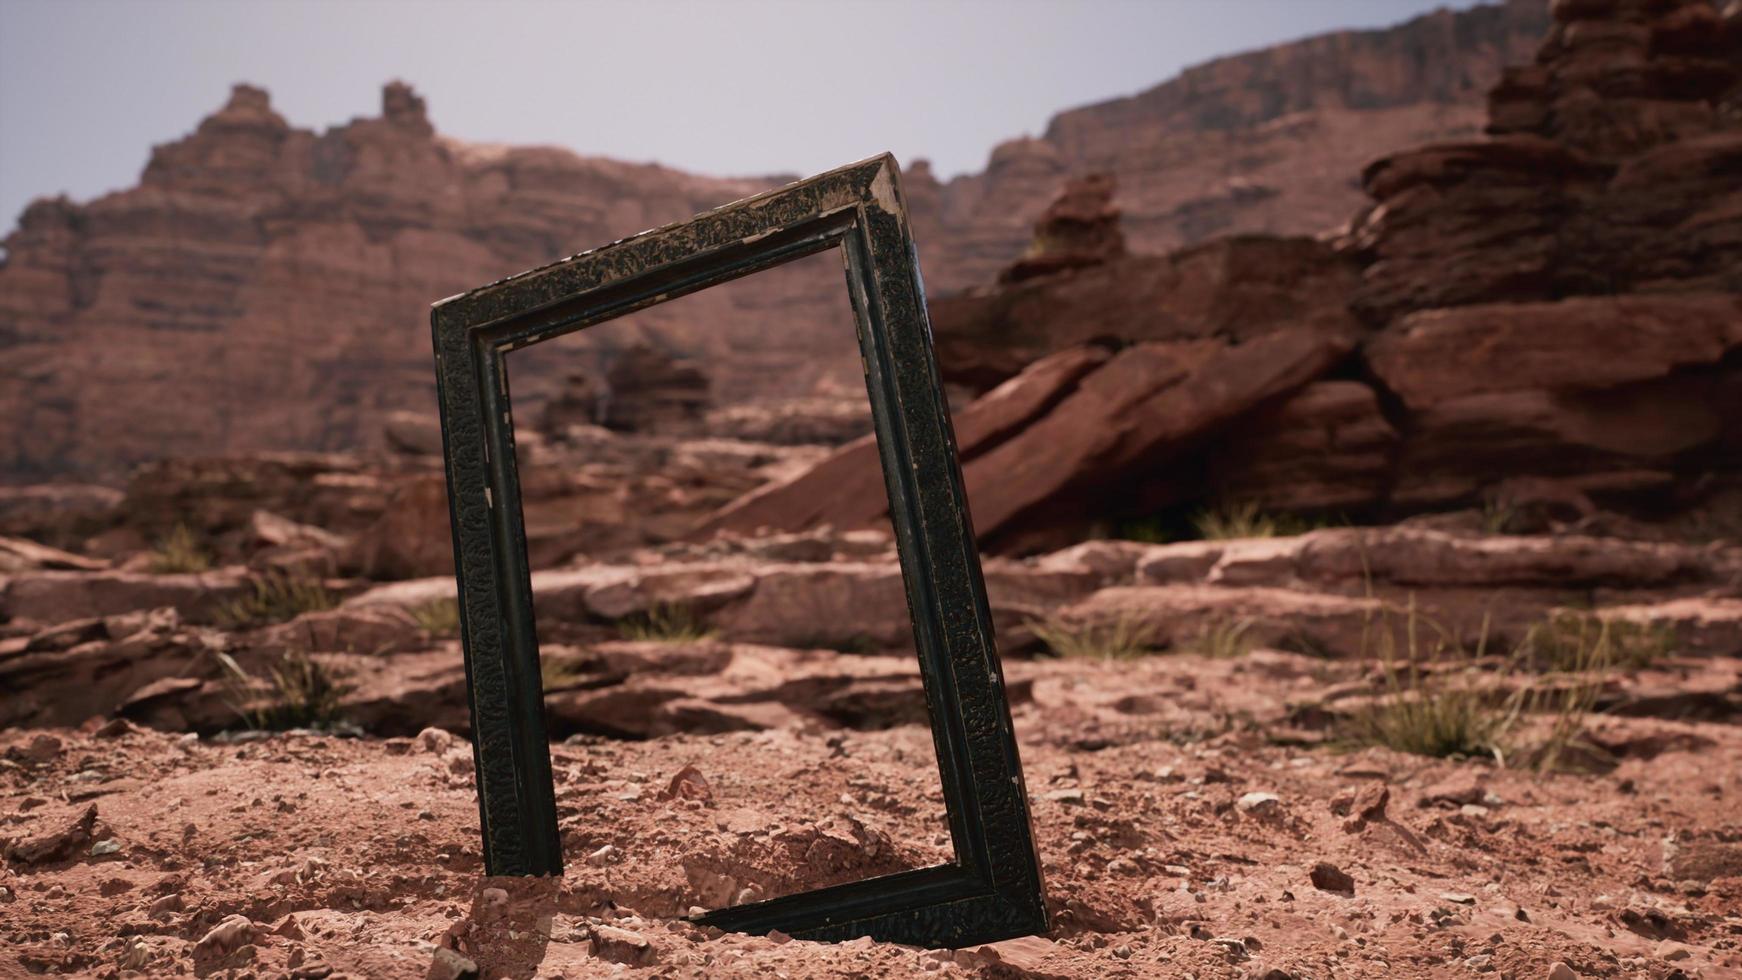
[(993, 889)]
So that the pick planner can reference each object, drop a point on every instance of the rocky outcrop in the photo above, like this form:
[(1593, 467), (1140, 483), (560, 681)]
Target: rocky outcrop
[(814, 629), (1234, 289), (1560, 302), (1078, 229), (266, 287), (1254, 143), (855, 496)]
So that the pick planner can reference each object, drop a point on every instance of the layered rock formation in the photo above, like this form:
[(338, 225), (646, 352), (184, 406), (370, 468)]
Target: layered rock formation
[(1259, 142), (266, 287), (1561, 301)]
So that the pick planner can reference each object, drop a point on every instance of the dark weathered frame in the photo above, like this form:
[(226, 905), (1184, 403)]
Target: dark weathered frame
[(993, 889)]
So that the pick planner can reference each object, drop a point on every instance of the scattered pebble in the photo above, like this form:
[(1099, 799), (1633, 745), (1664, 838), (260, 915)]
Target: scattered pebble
[(40, 751), (688, 784), (616, 945), (103, 847), (450, 965), (1561, 971), (1368, 807), (55, 845), (1262, 806), (1671, 950), (1328, 877), (234, 932), (436, 741), (1458, 898)]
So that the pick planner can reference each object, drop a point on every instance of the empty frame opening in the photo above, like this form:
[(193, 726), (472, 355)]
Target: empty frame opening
[(662, 613)]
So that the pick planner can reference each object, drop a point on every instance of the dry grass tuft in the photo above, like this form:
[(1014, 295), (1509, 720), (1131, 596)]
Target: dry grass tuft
[(1247, 520), (438, 617), (1439, 700), (299, 692), (1223, 640), (1123, 638), (179, 551), (275, 598), (663, 623), (1569, 640)]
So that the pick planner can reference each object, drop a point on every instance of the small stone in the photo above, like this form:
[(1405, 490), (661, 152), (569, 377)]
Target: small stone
[(138, 954), (1232, 948), (451, 965), (1260, 806), (234, 932), (688, 784), (1369, 807), (1123, 866), (42, 750), (1068, 796), (602, 856), (1561, 971), (165, 905), (459, 761), (616, 945), (108, 846), (1454, 792), (56, 845), (1671, 950), (1330, 878), (115, 728), (1458, 898), (437, 741)]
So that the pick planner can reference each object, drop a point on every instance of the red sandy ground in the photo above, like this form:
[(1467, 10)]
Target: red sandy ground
[(359, 857)]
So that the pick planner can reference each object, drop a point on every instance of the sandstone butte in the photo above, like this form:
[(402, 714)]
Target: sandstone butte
[(265, 287)]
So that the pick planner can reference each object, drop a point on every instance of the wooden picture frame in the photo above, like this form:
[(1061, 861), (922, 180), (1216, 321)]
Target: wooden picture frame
[(993, 889)]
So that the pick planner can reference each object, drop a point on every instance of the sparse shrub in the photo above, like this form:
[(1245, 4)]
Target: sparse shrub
[(298, 692), (1571, 640), (1122, 638), (1248, 520), (856, 643), (557, 673), (1499, 516), (179, 551), (1447, 713), (1146, 530), (1454, 704), (664, 623), (274, 598), (1224, 639), (438, 617)]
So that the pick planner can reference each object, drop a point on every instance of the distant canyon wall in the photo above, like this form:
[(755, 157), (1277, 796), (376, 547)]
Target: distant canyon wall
[(265, 287)]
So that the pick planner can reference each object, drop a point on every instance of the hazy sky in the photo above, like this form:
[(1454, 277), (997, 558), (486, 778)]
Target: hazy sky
[(722, 87)]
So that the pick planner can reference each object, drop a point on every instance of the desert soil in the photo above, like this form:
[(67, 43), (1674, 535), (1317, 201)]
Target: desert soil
[(1187, 824)]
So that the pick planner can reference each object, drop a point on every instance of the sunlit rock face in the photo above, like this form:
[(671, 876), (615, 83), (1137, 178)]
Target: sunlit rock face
[(266, 287)]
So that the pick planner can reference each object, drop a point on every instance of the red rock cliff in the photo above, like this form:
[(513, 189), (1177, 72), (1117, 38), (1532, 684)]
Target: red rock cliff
[(265, 287)]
